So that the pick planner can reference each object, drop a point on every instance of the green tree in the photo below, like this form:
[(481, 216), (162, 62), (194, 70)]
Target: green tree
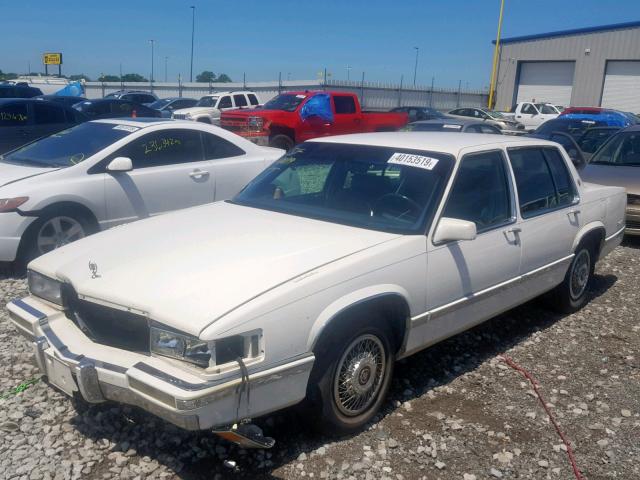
[(108, 78), (7, 76), (206, 77), (223, 78), (82, 76), (133, 77)]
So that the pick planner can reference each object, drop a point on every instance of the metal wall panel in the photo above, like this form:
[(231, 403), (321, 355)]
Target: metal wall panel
[(622, 86), (589, 51), (548, 82)]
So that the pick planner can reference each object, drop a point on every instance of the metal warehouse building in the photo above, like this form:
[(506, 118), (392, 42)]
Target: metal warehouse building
[(597, 66)]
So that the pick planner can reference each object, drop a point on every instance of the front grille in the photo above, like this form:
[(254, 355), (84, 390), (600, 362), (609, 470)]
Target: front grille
[(179, 116), (107, 325)]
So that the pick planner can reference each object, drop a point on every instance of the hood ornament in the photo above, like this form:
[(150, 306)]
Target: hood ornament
[(93, 268)]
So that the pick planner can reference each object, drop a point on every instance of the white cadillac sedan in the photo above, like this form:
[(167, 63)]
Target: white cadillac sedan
[(343, 256), (107, 172)]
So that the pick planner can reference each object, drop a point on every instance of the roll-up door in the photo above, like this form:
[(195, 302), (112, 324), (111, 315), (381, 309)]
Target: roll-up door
[(622, 86), (546, 82)]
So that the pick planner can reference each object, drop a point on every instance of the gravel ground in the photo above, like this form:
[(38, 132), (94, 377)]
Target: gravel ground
[(455, 411)]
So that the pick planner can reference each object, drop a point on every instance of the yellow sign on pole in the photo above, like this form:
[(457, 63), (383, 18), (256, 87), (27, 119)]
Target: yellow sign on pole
[(52, 58)]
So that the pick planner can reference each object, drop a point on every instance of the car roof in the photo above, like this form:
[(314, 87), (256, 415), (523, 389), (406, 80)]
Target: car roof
[(141, 122), (227, 92), (434, 141)]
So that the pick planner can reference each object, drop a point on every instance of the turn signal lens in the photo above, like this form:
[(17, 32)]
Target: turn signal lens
[(9, 204)]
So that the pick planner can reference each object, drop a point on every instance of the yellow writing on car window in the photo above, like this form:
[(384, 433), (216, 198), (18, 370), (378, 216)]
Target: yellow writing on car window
[(160, 144), (13, 116)]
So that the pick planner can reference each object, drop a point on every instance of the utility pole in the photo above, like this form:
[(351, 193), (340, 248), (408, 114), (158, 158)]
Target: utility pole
[(166, 59), (152, 44), (496, 51), (348, 72), (193, 29), (415, 68)]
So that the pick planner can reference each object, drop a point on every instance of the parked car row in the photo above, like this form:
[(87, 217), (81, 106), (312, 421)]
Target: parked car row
[(348, 253)]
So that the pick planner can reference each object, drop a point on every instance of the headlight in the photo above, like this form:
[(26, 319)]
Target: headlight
[(181, 346), (9, 204), (215, 353), (187, 116), (45, 287)]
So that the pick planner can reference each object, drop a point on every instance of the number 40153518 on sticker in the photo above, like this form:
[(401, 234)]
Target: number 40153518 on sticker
[(410, 160)]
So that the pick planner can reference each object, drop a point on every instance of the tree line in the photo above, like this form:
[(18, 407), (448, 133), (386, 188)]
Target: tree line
[(205, 77)]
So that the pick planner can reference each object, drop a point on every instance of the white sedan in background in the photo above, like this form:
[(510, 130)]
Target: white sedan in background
[(107, 172)]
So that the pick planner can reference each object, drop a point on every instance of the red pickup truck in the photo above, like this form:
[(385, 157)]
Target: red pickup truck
[(294, 117)]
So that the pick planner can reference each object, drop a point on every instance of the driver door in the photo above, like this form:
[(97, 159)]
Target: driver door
[(471, 281)]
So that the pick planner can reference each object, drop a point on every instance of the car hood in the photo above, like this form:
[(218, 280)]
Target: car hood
[(196, 110), (619, 176), (10, 173), (256, 112), (186, 269)]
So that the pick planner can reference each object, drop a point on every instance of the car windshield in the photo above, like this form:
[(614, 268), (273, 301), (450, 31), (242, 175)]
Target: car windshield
[(158, 104), (544, 108), (69, 147), (287, 102), (433, 127), (378, 188), (622, 149), (207, 102), (572, 127), (493, 114)]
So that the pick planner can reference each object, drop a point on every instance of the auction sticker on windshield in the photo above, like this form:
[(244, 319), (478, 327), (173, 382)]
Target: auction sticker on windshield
[(426, 163)]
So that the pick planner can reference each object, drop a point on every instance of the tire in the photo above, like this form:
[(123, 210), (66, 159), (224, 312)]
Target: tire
[(281, 141), (54, 229), (358, 362), (571, 295)]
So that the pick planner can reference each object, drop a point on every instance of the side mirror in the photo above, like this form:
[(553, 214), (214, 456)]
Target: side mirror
[(120, 164), (454, 229)]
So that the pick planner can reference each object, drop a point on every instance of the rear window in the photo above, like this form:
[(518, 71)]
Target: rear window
[(344, 104), (47, 114), (253, 100), (68, 147)]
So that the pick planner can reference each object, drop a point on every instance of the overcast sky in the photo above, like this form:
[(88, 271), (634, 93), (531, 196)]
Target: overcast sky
[(296, 37)]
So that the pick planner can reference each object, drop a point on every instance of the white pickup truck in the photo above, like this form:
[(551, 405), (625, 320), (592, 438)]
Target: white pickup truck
[(345, 255), (532, 115), (209, 107)]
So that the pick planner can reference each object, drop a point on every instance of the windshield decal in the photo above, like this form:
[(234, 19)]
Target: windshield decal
[(126, 128), (426, 163)]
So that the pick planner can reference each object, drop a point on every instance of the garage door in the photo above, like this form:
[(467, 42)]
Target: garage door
[(622, 86), (550, 82)]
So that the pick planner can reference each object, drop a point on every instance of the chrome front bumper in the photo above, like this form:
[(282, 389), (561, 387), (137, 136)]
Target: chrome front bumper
[(187, 404), (633, 220)]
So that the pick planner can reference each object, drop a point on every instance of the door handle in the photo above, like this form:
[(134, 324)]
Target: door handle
[(574, 211), (516, 234), (199, 174)]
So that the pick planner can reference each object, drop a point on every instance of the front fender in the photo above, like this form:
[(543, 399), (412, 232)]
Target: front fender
[(352, 299)]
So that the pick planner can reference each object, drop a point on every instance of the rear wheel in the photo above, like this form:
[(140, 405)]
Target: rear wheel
[(571, 294), (281, 141), (352, 378)]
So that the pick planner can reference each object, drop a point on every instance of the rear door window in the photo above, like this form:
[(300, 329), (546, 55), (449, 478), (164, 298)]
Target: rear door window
[(47, 114), (253, 100), (344, 104), (536, 188), (565, 188), (240, 100), (14, 115), (217, 147), (164, 147)]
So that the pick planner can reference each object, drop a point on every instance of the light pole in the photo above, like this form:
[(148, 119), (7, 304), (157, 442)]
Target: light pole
[(348, 72), (166, 59), (496, 53), (415, 68), (152, 44), (193, 29)]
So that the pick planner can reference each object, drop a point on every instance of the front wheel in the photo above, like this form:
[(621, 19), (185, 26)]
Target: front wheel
[(355, 378), (281, 141)]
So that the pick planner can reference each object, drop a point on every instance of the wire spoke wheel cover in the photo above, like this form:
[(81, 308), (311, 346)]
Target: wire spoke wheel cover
[(57, 232), (580, 271), (359, 375)]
